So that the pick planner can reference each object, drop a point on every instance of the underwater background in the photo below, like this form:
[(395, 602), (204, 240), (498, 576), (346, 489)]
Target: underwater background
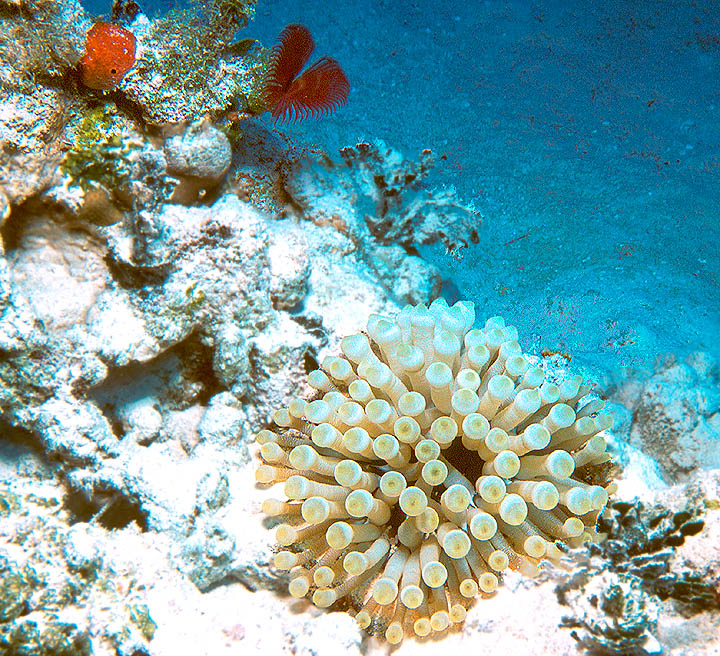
[(178, 272), (587, 134)]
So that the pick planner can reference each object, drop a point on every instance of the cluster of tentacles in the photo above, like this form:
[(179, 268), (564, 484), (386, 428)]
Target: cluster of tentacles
[(431, 458), (321, 89)]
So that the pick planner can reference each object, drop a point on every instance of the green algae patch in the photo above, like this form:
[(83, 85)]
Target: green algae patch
[(99, 152), (140, 617)]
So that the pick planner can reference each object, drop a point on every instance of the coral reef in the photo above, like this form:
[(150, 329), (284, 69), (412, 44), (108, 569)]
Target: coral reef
[(188, 65), (676, 415), (59, 590), (105, 276), (162, 338), (188, 68), (171, 269), (430, 459)]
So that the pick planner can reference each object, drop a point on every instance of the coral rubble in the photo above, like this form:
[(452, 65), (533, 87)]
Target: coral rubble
[(641, 542), (393, 203), (60, 594), (615, 617), (676, 415), (383, 203), (653, 563)]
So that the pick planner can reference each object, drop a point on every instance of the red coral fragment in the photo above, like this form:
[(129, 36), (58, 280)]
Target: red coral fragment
[(321, 89), (109, 54)]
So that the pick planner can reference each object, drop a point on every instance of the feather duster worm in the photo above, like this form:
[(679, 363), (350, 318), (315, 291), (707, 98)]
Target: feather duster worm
[(321, 89)]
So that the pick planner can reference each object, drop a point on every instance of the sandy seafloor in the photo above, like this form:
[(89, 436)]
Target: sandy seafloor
[(588, 135)]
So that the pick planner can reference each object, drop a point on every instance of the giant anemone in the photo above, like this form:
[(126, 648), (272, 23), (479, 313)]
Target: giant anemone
[(430, 459)]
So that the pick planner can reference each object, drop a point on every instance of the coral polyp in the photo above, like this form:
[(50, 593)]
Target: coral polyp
[(431, 458)]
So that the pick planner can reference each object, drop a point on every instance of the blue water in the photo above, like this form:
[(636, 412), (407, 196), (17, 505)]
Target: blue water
[(587, 133)]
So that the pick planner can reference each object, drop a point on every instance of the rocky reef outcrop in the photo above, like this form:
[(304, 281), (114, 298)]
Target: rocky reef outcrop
[(170, 270)]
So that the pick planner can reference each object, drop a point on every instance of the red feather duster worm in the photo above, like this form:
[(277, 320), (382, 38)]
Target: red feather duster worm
[(321, 89)]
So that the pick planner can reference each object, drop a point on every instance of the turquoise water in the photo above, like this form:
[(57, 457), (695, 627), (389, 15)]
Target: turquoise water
[(588, 137)]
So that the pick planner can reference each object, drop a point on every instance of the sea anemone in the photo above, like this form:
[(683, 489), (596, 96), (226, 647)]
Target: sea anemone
[(321, 89), (431, 458)]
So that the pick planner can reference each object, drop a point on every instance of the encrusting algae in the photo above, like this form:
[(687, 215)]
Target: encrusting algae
[(431, 458), (99, 149)]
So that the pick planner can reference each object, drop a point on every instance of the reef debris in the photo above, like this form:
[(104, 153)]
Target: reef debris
[(614, 616), (655, 563), (676, 415), (63, 589), (392, 201), (384, 204)]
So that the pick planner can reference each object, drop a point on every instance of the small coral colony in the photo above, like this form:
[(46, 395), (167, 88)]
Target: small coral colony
[(289, 94), (430, 458), (109, 54)]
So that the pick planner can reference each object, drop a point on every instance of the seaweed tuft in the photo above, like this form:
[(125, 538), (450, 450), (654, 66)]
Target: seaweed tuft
[(98, 155)]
